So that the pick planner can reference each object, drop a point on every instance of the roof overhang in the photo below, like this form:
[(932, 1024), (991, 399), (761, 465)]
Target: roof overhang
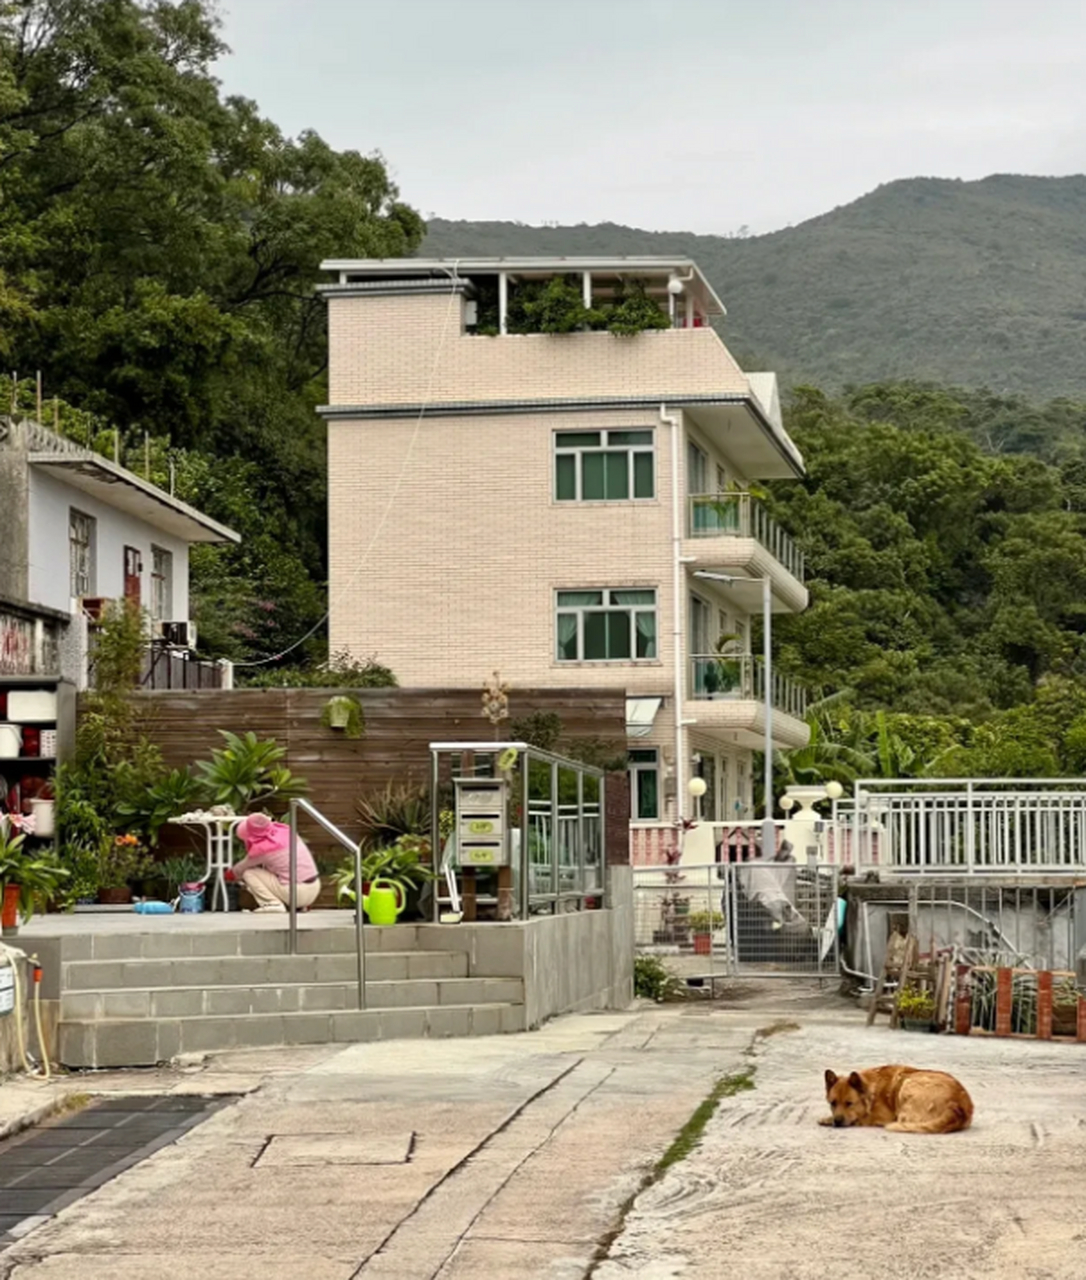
[(640, 715), (728, 418), (356, 270), (119, 488)]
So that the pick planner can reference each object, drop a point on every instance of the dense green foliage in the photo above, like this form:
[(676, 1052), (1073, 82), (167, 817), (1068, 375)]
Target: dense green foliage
[(942, 578), (971, 283), (158, 250)]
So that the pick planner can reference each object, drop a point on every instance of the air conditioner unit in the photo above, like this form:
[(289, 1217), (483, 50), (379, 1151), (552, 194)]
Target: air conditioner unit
[(94, 607), (178, 635)]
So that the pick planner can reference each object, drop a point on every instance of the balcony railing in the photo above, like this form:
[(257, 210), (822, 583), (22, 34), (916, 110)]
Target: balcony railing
[(741, 678), (741, 515)]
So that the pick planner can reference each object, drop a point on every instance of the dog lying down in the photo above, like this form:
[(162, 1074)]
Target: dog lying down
[(902, 1099)]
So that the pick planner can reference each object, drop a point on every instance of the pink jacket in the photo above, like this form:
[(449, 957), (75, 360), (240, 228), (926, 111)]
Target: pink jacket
[(267, 845)]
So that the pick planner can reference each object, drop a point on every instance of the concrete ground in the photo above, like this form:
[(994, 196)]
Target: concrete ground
[(523, 1156)]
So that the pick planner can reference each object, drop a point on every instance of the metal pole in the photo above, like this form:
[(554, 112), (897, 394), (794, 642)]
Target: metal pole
[(360, 945), (525, 868), (769, 831), (293, 878), (435, 834)]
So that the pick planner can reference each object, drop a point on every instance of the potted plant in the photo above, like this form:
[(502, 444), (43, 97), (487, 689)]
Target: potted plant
[(342, 712), (406, 863), (916, 1010), (121, 859), (1065, 1008), (29, 878), (703, 924)]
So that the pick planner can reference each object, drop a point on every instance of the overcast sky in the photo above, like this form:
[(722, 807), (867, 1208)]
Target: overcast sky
[(683, 115)]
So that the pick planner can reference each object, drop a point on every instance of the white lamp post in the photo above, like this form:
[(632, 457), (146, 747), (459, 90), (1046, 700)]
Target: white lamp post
[(769, 831), (696, 788)]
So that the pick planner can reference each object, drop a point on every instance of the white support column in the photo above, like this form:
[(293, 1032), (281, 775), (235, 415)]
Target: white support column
[(503, 301), (586, 285)]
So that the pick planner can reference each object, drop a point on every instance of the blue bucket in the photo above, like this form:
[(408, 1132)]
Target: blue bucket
[(192, 897)]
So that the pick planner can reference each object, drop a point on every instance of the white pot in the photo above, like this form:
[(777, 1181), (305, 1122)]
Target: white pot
[(11, 741), (44, 817)]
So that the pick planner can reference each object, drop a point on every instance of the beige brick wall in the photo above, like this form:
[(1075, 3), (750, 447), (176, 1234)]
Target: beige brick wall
[(412, 349), (449, 569)]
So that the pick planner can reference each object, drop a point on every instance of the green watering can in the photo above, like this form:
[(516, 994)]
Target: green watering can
[(384, 902)]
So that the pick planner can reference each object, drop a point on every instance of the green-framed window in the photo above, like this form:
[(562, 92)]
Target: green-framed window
[(604, 466), (607, 625)]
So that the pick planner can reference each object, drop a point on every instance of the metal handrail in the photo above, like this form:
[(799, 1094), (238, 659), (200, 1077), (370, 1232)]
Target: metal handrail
[(741, 676), (356, 849)]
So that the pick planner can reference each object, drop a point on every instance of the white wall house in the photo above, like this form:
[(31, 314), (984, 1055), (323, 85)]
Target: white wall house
[(81, 530)]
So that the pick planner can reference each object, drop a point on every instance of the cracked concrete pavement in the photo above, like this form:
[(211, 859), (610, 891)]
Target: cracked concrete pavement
[(525, 1155), (443, 1159), (769, 1195)]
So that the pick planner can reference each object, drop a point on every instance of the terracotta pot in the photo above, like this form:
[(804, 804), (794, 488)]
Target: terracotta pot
[(9, 913), (703, 944), (115, 897)]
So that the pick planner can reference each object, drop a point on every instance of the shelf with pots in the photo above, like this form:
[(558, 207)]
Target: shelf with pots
[(37, 733)]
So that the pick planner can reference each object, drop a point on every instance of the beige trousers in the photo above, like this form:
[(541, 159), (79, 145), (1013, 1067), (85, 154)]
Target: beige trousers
[(268, 889)]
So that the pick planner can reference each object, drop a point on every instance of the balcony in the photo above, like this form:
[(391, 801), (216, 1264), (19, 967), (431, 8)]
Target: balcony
[(727, 692), (733, 532)]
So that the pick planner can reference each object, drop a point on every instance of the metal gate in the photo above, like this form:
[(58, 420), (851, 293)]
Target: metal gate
[(757, 918)]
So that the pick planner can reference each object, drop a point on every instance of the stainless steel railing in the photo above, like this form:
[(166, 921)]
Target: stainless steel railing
[(741, 515), (355, 849)]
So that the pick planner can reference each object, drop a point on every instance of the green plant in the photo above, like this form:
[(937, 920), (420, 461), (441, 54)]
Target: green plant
[(246, 775), (120, 860), (38, 873), (398, 809), (341, 671), (406, 863), (653, 980), (151, 807), (705, 921), (342, 712), (916, 1005), (117, 648), (551, 306), (179, 870), (633, 311)]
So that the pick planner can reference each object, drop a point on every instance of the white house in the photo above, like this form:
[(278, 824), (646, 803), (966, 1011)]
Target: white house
[(79, 530)]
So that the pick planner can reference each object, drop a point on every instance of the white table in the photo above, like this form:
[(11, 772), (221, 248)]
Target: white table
[(219, 837)]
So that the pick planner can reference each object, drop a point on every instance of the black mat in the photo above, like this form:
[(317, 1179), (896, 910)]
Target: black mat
[(45, 1169)]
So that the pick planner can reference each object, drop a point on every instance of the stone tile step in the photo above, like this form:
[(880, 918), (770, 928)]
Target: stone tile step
[(301, 997), (143, 1042), (172, 941), (258, 970)]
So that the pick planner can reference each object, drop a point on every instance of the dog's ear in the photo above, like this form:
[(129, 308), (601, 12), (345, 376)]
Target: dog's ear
[(831, 1079), (855, 1082)]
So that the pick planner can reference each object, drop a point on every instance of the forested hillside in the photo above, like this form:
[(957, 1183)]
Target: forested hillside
[(159, 245), (977, 284)]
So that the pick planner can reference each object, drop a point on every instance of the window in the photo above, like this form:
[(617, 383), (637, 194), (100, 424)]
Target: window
[(603, 466), (644, 786), (606, 626), (81, 531), (161, 584)]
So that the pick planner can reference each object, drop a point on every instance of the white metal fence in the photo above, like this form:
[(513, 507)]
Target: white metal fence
[(759, 918), (977, 825)]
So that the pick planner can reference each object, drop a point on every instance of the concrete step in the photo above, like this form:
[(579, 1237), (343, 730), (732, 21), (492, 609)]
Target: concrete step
[(258, 970), (178, 937), (142, 1042), (298, 997)]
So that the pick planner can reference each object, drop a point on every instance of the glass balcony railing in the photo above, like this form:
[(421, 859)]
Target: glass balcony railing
[(741, 678), (741, 515)]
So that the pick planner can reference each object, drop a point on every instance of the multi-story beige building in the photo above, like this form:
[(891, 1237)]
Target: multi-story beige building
[(540, 504)]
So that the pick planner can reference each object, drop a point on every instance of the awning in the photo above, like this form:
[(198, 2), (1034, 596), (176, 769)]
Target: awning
[(640, 713)]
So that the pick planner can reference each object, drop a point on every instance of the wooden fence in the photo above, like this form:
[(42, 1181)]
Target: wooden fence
[(400, 724)]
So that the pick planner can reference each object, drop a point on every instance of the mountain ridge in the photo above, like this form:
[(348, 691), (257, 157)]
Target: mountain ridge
[(971, 283)]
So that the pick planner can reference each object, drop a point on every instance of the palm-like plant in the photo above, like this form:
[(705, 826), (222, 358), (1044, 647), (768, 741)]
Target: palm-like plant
[(246, 774)]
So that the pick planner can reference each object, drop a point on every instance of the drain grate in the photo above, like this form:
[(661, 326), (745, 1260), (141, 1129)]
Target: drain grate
[(46, 1169)]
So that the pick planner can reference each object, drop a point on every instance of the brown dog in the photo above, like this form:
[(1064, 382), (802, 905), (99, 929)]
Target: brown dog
[(904, 1099)]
